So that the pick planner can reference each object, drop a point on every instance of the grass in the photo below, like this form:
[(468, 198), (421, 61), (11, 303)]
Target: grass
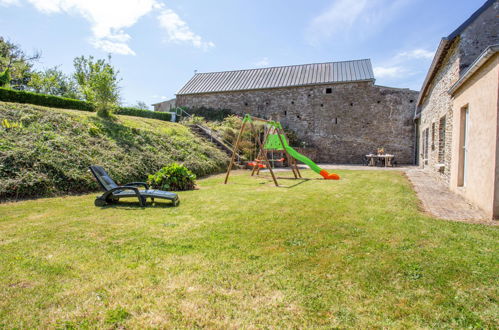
[(352, 253), (50, 153)]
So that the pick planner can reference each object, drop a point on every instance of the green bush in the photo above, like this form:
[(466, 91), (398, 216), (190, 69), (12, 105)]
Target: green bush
[(174, 177), (143, 113), (11, 95), (210, 113)]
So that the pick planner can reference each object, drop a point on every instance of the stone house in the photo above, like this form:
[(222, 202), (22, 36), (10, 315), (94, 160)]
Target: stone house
[(165, 106), (456, 114), (335, 108)]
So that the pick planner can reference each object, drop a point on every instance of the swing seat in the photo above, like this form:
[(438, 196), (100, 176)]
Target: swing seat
[(261, 166)]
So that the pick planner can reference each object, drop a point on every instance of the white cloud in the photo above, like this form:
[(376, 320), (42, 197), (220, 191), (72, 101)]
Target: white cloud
[(110, 18), (416, 54), (347, 18), (178, 30), (389, 72), (263, 62), (112, 47), (9, 2)]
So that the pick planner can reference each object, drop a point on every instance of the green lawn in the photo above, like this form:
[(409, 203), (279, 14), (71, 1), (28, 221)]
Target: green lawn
[(350, 253)]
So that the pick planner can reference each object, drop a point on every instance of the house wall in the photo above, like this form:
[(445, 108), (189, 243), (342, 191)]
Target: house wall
[(353, 120), (437, 104), (480, 95)]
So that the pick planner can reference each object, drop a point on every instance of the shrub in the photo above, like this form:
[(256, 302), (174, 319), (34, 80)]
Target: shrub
[(210, 113), (174, 177), (143, 113), (11, 95)]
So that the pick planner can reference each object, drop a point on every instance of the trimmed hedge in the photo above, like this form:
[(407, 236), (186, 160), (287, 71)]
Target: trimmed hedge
[(210, 114), (143, 113), (12, 95)]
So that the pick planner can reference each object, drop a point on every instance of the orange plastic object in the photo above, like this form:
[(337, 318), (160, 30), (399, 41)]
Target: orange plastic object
[(327, 176)]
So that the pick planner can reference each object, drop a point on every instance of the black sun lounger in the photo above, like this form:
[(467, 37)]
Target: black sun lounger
[(113, 192)]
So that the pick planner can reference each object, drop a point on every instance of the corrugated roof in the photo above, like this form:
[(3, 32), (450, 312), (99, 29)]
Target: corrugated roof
[(277, 77)]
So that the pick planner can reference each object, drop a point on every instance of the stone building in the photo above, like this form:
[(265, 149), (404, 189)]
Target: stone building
[(451, 106), (334, 108), (165, 106)]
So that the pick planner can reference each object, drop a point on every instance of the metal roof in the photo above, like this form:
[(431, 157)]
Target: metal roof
[(278, 77)]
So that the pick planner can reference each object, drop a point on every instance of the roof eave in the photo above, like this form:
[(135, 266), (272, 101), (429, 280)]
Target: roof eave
[(303, 85), (435, 65)]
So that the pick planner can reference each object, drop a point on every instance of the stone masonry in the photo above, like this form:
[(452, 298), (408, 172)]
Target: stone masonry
[(341, 121)]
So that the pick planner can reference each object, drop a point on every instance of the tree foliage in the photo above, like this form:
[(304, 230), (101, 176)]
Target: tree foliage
[(98, 82), (141, 105), (53, 81), (17, 63)]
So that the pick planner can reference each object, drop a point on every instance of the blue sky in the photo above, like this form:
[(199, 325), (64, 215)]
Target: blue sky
[(157, 45)]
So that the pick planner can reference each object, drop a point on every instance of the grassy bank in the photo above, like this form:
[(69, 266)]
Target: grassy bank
[(349, 253), (50, 153)]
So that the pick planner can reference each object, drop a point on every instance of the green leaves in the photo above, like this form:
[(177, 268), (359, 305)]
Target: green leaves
[(173, 177), (54, 82), (98, 82)]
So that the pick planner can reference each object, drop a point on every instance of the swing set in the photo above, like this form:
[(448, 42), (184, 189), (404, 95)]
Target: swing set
[(274, 140)]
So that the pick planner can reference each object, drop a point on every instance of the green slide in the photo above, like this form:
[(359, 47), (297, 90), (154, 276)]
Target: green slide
[(274, 143), (313, 166)]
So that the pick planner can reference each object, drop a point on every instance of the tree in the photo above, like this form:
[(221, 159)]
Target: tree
[(98, 83), (54, 82), (18, 64), (5, 79), (141, 105)]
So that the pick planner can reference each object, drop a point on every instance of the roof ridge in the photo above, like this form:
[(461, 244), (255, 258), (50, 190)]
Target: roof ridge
[(283, 66)]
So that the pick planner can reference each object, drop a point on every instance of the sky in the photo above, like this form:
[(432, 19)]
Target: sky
[(158, 45)]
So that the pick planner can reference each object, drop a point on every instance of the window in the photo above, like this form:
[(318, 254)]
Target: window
[(322, 105), (292, 102), (246, 103), (425, 146), (329, 90), (285, 113), (351, 104), (433, 136), (335, 120), (441, 140)]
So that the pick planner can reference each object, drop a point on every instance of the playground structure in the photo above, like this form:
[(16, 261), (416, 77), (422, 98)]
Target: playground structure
[(274, 139)]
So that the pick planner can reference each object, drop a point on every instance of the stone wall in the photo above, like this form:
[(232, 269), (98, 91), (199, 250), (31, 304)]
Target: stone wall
[(343, 122), (436, 105)]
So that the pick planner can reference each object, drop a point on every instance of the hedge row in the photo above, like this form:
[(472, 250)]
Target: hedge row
[(210, 114), (12, 95), (143, 113)]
